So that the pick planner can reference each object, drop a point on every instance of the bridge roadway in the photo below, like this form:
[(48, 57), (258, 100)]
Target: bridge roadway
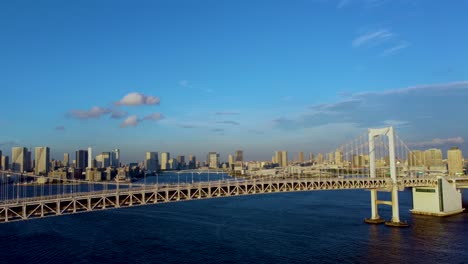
[(70, 203)]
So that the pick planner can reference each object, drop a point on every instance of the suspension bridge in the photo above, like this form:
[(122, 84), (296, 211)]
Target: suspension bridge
[(377, 161)]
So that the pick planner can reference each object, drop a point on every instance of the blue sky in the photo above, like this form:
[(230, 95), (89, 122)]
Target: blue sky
[(199, 76)]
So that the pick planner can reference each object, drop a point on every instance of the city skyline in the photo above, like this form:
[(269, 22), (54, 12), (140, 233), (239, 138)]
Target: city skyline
[(210, 81)]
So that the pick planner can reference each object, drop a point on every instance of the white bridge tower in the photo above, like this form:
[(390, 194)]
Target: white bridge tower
[(375, 218)]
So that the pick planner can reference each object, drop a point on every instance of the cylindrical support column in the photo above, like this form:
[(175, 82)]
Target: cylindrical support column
[(395, 205), (374, 209)]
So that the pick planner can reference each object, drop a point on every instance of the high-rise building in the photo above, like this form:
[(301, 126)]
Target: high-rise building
[(5, 163), (433, 157), (106, 159), (320, 158), (19, 159), (339, 157), (1, 164), (81, 159), (42, 156), (90, 158), (151, 161), (213, 160), (239, 156), (192, 162), (115, 161), (165, 157), (284, 159), (455, 161), (172, 164), (416, 158), (29, 161), (278, 158), (231, 161), (66, 159), (311, 157), (300, 156), (181, 161)]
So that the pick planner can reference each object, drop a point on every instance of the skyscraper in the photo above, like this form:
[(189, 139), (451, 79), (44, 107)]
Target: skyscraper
[(416, 158), (213, 160), (231, 161), (338, 157), (455, 161), (181, 161), (19, 159), (284, 158), (81, 159), (66, 159), (300, 156), (1, 164), (311, 157), (278, 157), (42, 156), (433, 157), (165, 157), (90, 157), (320, 158), (5, 163), (115, 159), (239, 156), (151, 161)]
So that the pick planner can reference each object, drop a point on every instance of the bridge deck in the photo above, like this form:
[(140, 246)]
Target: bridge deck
[(62, 204)]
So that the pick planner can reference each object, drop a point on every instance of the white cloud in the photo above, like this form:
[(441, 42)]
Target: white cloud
[(439, 142), (395, 49), (373, 37), (134, 99), (130, 121), (95, 112), (406, 108), (153, 117)]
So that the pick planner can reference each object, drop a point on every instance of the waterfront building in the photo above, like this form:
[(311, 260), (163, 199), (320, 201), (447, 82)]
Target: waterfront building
[(320, 158), (19, 159), (42, 157), (115, 158), (239, 156), (192, 162), (416, 158), (151, 161), (338, 157), (81, 158), (5, 163), (66, 159), (90, 157), (433, 157), (455, 161), (300, 156), (284, 159), (231, 161), (172, 164), (165, 157), (213, 160), (181, 162)]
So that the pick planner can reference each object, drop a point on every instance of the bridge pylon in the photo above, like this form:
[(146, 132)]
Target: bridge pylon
[(375, 218)]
